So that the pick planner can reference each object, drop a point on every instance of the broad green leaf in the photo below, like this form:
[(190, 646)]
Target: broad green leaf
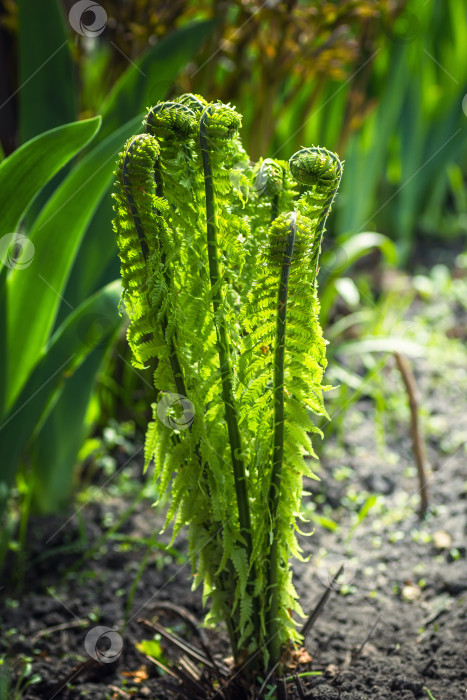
[(47, 89), (27, 170), (347, 289), (324, 521), (34, 293), (362, 514), (354, 248), (97, 252), (54, 451), (150, 647), (65, 352), (366, 507)]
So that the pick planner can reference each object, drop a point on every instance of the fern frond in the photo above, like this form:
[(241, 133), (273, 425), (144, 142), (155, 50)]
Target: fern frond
[(319, 171), (219, 261), (138, 243), (281, 369)]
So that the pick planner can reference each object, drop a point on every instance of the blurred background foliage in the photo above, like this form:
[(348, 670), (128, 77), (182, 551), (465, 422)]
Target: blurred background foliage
[(383, 82)]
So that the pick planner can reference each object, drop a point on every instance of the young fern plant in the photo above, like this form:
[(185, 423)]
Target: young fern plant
[(220, 287)]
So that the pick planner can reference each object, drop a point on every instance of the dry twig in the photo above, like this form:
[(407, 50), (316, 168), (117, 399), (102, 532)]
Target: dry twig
[(417, 440)]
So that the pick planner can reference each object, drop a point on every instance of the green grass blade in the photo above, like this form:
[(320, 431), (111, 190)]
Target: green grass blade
[(381, 344), (335, 262)]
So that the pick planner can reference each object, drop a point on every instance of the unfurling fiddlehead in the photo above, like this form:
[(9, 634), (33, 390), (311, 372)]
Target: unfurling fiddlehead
[(137, 168), (134, 202), (269, 180), (221, 288), (281, 370), (320, 172)]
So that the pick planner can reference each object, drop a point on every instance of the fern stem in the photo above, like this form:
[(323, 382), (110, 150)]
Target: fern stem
[(173, 353), (224, 345), (278, 443), (131, 202), (274, 207)]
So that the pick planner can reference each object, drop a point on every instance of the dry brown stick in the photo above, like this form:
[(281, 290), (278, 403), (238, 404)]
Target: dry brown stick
[(190, 620), (59, 628), (174, 673), (298, 685), (320, 605), (186, 647), (417, 439), (119, 691)]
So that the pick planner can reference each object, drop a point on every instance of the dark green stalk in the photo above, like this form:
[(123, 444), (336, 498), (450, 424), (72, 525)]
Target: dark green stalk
[(274, 207), (132, 204), (224, 345), (278, 443)]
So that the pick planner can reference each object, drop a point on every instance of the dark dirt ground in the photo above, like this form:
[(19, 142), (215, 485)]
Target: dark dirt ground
[(396, 627)]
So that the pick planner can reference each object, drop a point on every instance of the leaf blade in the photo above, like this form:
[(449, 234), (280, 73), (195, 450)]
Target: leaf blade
[(47, 97), (68, 210), (66, 351), (30, 167)]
